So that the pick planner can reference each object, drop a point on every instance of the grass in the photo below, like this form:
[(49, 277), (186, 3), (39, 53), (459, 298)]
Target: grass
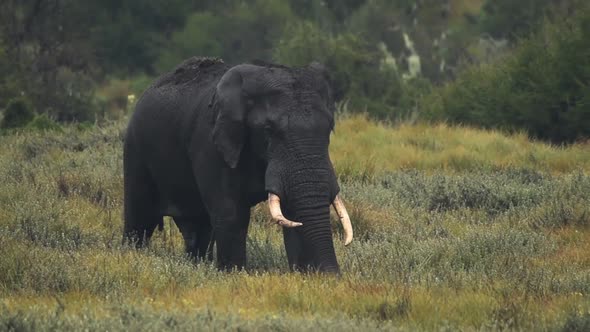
[(362, 148), (496, 239)]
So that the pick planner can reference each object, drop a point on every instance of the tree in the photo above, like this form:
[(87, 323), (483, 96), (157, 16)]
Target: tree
[(245, 31), (542, 87), (357, 70), (431, 30), (508, 19), (47, 47), (128, 35)]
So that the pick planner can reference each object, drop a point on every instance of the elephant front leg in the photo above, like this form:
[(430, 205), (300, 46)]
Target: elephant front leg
[(221, 189), (230, 234)]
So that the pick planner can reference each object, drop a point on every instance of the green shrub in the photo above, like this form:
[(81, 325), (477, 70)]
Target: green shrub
[(543, 87), (577, 321), (19, 112), (69, 98), (140, 83), (43, 122)]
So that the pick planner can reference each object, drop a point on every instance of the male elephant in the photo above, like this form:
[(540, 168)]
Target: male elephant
[(207, 141)]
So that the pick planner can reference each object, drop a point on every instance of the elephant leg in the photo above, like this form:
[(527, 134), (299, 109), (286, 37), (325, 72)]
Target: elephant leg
[(141, 206), (197, 235), (230, 238), (223, 196)]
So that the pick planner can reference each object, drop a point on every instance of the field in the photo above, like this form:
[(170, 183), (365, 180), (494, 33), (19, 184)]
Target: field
[(456, 228)]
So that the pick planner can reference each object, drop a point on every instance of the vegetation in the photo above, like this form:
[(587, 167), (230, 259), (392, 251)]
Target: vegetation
[(384, 56), (543, 87), (18, 113), (455, 228), (374, 149), (353, 70), (513, 20)]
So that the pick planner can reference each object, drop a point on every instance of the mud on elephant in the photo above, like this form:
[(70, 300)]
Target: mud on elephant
[(207, 141)]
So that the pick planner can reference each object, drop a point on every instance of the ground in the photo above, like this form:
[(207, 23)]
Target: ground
[(455, 228)]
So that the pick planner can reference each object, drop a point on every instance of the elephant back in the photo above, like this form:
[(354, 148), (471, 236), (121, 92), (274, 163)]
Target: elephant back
[(192, 70)]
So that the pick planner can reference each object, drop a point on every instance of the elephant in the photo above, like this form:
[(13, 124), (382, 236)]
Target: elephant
[(207, 141)]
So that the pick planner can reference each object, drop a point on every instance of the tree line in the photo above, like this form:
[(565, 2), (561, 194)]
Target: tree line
[(383, 56)]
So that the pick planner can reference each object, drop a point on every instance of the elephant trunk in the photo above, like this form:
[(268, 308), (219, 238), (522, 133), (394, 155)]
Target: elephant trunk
[(302, 186), (308, 202)]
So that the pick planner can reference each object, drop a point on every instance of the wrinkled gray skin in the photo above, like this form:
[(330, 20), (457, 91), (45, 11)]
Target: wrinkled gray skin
[(207, 141)]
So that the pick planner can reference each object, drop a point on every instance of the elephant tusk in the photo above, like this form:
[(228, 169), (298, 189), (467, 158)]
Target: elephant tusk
[(344, 219), (274, 204)]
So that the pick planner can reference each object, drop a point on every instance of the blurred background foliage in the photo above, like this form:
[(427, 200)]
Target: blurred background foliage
[(514, 65)]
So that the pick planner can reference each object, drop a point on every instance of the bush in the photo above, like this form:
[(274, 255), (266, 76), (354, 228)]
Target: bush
[(43, 122), (69, 98), (577, 321), (543, 87), (18, 113)]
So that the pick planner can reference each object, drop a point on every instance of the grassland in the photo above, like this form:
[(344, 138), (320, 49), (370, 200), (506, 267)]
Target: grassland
[(455, 228)]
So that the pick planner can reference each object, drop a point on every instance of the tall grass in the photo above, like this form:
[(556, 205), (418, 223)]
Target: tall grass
[(362, 148), (496, 241)]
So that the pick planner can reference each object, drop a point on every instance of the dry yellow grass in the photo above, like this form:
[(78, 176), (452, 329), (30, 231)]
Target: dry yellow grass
[(362, 145)]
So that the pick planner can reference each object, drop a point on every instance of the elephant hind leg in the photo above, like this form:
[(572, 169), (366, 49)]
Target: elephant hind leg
[(197, 235), (142, 213)]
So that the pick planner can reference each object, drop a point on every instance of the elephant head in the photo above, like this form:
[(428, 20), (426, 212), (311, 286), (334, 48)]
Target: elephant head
[(284, 117)]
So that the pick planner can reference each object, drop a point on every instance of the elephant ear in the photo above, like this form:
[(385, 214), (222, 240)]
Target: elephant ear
[(327, 89), (232, 91), (229, 130), (322, 71)]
